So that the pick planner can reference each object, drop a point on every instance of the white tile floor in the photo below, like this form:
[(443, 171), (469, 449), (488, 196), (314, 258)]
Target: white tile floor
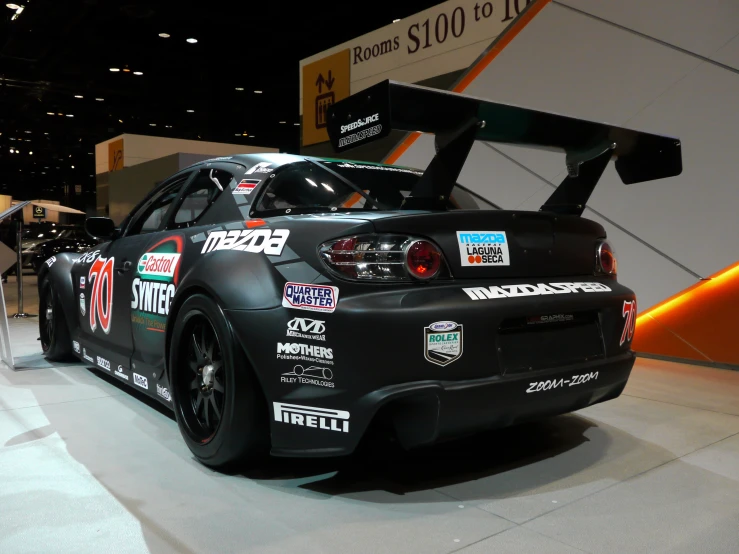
[(87, 467)]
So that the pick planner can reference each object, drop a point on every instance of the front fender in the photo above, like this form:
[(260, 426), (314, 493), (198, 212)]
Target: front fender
[(59, 273)]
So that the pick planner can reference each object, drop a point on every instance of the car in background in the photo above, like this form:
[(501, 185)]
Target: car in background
[(42, 244)]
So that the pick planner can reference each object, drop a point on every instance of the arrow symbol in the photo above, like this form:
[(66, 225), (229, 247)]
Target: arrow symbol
[(330, 81), (320, 81)]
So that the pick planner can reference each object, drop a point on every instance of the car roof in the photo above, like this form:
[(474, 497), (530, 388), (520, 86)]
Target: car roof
[(279, 158)]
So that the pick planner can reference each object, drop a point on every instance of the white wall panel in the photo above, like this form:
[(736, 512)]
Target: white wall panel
[(701, 26), (728, 54), (567, 62)]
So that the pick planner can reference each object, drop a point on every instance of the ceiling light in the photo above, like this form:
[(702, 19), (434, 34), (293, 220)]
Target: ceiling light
[(114, 69), (72, 167), (153, 124), (120, 121), (46, 133), (239, 88), (190, 111), (13, 6), (192, 40), (238, 134), (168, 126), (99, 99), (296, 124), (244, 134), (257, 92), (30, 153), (138, 72), (28, 132), (69, 115), (11, 150), (283, 122), (50, 113), (78, 96), (164, 35), (126, 70), (60, 114), (396, 20)]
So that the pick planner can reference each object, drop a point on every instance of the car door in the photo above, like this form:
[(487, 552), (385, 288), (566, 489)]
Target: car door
[(104, 278), (156, 275)]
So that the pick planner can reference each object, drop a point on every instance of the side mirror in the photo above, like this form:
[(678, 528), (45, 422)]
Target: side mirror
[(100, 228)]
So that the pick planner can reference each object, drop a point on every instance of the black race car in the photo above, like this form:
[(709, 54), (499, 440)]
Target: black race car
[(285, 303)]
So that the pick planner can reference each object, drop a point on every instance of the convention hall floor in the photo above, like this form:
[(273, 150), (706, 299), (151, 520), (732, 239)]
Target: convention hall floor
[(86, 466)]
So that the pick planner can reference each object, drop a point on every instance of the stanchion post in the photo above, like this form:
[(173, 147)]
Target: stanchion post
[(19, 269)]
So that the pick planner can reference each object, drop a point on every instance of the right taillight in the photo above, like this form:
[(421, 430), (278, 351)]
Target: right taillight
[(605, 258), (383, 257)]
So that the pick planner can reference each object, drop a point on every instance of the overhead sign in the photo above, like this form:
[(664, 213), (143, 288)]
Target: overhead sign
[(115, 155), (324, 82), (445, 38), (39, 212)]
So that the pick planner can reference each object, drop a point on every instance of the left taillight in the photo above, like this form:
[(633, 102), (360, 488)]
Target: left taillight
[(383, 258)]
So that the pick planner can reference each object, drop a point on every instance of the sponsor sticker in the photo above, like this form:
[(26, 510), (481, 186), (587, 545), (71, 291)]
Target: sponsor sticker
[(120, 373), (246, 186), (629, 314), (269, 241), (50, 261), (304, 352), (76, 346), (154, 265), (478, 248), (261, 167), (311, 375), (359, 136), (140, 381), (101, 296), (102, 362), (308, 416), (88, 257), (304, 328), (555, 318), (549, 384), (442, 342), (83, 307), (360, 123), (86, 356), (164, 393), (515, 291), (82, 282), (314, 298)]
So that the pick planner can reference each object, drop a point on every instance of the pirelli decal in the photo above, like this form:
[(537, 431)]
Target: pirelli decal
[(539, 289)]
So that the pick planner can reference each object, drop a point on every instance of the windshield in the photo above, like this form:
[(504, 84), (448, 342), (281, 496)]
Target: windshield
[(306, 186)]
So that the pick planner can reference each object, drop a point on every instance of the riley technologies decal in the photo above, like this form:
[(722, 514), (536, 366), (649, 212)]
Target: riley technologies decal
[(442, 342), (514, 291), (478, 248), (154, 285)]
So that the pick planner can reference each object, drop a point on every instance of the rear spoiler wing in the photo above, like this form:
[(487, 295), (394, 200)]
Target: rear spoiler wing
[(458, 120)]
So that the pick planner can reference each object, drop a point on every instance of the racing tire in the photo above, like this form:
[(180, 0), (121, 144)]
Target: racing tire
[(53, 331), (218, 402)]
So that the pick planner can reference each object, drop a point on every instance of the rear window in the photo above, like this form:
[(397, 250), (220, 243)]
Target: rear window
[(306, 187)]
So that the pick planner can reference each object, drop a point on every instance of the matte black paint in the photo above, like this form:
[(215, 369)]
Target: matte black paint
[(376, 332)]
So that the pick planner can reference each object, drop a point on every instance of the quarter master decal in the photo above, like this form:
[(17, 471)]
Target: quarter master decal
[(314, 298), (154, 285), (442, 342)]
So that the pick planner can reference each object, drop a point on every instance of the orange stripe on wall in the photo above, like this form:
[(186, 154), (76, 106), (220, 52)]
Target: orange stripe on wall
[(698, 323), (503, 40)]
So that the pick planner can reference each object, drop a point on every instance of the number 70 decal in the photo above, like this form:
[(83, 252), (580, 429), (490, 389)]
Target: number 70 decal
[(101, 297), (629, 313)]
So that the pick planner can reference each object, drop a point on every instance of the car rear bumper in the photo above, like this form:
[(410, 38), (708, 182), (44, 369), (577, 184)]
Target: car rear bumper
[(369, 362), (425, 412)]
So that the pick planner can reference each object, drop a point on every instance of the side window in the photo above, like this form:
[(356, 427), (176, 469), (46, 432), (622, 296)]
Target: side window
[(150, 216), (200, 195)]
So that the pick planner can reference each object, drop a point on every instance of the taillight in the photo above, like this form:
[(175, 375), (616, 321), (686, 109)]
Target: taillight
[(605, 258), (382, 258)]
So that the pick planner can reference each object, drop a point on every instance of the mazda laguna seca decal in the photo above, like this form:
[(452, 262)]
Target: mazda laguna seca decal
[(480, 248)]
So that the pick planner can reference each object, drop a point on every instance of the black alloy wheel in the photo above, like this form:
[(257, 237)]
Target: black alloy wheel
[(206, 391), (53, 331), (218, 402)]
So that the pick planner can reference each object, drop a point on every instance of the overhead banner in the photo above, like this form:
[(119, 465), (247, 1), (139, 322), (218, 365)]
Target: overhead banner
[(442, 39), (324, 82)]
